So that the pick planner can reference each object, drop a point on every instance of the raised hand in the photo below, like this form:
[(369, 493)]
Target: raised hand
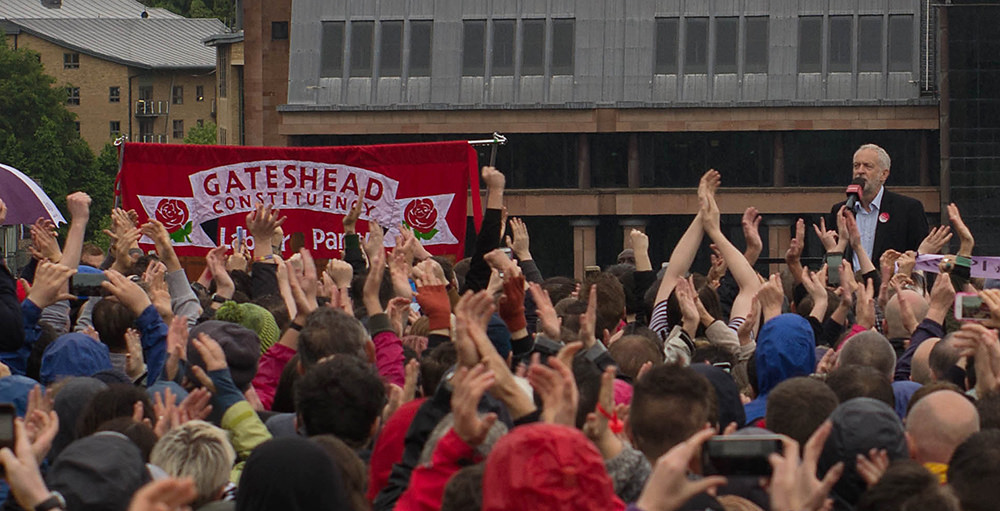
[(794, 485), (751, 232), (967, 242), (936, 240), (828, 238), (78, 204), (519, 244), (51, 284), (262, 222), (557, 388), (669, 487), (128, 293), (548, 321), (469, 386), (352, 216)]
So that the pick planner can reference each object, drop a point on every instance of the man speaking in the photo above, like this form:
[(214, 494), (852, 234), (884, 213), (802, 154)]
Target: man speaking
[(886, 220)]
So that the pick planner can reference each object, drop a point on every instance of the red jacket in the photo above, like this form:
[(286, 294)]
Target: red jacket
[(428, 481)]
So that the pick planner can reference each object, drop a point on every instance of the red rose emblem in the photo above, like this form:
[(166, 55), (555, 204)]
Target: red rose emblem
[(421, 215), (172, 213)]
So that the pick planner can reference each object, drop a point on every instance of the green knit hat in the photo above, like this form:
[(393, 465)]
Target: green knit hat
[(251, 316)]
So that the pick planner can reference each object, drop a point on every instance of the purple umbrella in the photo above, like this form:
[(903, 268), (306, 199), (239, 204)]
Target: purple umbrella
[(26, 201)]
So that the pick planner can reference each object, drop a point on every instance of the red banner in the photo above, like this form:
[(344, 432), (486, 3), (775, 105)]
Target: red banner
[(203, 193)]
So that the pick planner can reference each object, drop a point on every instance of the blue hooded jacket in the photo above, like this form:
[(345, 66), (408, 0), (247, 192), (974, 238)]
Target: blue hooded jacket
[(786, 348)]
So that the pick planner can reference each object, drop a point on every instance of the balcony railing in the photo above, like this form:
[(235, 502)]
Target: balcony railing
[(152, 138), (145, 108)]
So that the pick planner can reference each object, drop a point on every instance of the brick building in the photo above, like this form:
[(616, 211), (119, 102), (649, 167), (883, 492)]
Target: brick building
[(126, 69)]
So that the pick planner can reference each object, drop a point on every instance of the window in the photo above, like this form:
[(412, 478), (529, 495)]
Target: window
[(362, 35), (696, 45), (77, 126), (503, 48), (841, 38), (810, 44), (114, 94), (901, 43), (532, 47), (870, 43), (332, 50), (666, 46), (177, 95), (223, 71), (563, 46), (199, 93), (391, 45), (279, 30), (473, 47), (222, 136), (200, 123), (146, 92), (420, 47), (755, 45), (727, 37), (71, 60), (115, 129), (72, 95), (178, 129)]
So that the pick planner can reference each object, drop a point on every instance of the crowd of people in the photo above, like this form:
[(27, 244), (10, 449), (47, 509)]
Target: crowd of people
[(400, 380)]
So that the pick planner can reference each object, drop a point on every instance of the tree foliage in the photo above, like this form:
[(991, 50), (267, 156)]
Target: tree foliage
[(222, 9), (203, 135)]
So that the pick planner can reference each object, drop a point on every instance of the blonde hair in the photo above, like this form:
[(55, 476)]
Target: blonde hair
[(198, 450)]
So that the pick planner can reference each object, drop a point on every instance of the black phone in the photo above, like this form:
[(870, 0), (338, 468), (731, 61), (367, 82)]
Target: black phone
[(833, 261), (7, 415), (740, 455), (87, 284)]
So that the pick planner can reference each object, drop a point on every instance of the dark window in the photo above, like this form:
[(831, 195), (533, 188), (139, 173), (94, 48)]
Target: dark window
[(279, 30), (420, 47), (223, 71), (200, 123), (841, 38), (870, 43), (727, 36), (199, 93), (503, 48), (810, 44), (72, 95), (178, 95), (532, 47), (146, 92), (332, 50), (678, 159), (563, 46), (666, 46), (115, 129), (391, 49), (473, 48), (114, 94), (178, 129), (71, 60), (901, 43), (755, 45), (362, 33), (609, 160), (76, 125), (696, 45)]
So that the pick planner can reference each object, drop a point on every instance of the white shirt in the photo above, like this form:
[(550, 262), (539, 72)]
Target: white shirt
[(867, 222)]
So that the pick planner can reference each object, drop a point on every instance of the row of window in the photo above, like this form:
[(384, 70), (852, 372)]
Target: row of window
[(538, 38), (729, 32), (354, 43), (145, 93), (115, 128), (852, 41)]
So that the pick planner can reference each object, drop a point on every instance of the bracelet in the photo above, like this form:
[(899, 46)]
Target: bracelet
[(963, 261), (219, 299), (268, 257)]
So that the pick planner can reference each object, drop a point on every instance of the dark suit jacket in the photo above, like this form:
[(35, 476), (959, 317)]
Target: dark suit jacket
[(904, 230)]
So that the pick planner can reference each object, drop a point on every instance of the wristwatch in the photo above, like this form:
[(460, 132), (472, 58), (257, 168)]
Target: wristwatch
[(55, 501), (219, 299)]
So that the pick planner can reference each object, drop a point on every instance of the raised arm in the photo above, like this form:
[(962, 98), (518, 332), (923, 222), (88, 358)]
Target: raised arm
[(741, 269), (687, 247)]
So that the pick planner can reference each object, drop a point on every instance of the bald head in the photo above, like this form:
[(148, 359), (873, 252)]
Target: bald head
[(938, 423), (870, 349), (894, 328), (920, 365)]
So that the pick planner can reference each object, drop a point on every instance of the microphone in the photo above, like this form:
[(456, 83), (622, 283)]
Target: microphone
[(854, 193)]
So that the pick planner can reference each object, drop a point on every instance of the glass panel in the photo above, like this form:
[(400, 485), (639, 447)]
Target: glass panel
[(666, 46), (391, 49), (841, 38), (420, 47), (362, 33), (901, 43), (474, 48), (696, 45), (870, 43), (532, 47), (332, 50), (727, 34), (755, 46), (810, 41), (563, 46), (503, 48)]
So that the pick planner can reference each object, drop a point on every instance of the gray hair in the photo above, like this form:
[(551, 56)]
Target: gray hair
[(498, 430), (883, 157)]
